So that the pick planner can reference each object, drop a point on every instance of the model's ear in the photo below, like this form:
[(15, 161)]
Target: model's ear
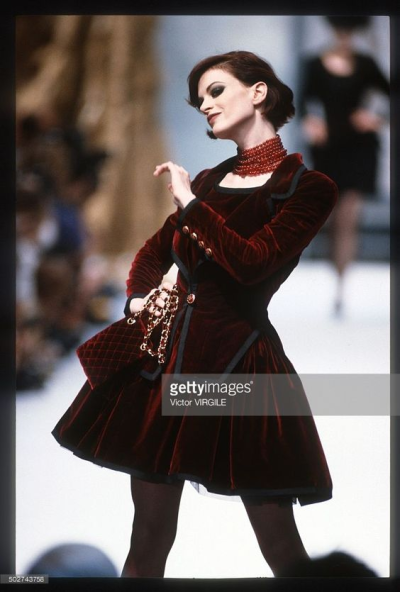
[(260, 91)]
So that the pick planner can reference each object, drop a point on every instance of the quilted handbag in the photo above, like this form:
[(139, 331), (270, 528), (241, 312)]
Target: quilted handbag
[(122, 343)]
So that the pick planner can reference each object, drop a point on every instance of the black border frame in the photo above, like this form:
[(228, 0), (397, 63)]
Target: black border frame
[(7, 261)]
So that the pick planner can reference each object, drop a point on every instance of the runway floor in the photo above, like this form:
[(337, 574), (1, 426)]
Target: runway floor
[(61, 498)]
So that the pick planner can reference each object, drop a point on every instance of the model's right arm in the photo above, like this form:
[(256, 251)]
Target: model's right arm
[(154, 259), (151, 263)]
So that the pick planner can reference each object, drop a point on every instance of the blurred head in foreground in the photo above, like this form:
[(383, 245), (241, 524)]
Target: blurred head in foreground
[(74, 561)]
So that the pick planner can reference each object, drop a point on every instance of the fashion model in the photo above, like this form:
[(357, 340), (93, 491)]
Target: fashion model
[(237, 233), (342, 131)]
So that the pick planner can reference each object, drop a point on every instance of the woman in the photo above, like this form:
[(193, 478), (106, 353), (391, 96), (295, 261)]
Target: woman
[(343, 138), (236, 235)]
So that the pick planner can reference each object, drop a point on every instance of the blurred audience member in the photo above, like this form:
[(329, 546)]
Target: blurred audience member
[(341, 127), (35, 355), (74, 561), (336, 564), (61, 281)]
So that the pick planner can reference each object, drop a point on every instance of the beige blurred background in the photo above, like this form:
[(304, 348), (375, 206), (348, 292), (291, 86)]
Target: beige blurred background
[(100, 73)]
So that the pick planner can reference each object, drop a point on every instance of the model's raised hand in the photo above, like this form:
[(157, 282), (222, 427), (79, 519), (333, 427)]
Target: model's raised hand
[(179, 185)]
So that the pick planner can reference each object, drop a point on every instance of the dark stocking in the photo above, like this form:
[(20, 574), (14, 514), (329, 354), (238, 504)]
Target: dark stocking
[(344, 239), (277, 534), (154, 527)]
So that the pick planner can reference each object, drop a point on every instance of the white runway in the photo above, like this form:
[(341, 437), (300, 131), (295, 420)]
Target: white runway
[(61, 498)]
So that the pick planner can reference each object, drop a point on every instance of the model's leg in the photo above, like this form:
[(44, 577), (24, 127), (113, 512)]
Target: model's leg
[(154, 527), (277, 534), (344, 237)]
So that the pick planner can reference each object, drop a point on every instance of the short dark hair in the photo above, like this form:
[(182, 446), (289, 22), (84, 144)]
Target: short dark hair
[(348, 23), (249, 69)]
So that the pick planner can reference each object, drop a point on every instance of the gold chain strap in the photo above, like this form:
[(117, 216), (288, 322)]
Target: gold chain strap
[(166, 317)]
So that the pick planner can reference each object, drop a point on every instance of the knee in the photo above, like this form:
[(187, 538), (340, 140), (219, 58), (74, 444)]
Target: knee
[(150, 533), (347, 212)]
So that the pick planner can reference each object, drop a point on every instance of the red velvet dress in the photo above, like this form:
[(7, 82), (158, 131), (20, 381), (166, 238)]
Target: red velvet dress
[(233, 248)]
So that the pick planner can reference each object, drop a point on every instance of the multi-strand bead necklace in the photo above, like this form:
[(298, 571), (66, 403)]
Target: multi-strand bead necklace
[(261, 159)]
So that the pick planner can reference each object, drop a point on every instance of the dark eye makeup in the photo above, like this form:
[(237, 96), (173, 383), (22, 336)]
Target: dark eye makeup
[(214, 92), (217, 90)]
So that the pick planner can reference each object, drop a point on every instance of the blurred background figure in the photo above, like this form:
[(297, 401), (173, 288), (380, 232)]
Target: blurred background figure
[(56, 175), (341, 121), (86, 196), (74, 561)]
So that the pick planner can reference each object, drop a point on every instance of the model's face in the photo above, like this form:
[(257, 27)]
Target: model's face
[(227, 103)]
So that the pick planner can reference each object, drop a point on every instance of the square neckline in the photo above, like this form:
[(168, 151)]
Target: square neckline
[(245, 190)]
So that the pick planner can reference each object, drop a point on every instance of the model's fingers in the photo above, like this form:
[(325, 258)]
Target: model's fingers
[(145, 299), (162, 168), (160, 302)]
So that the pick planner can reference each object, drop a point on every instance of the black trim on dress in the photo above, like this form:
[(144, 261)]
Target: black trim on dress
[(305, 495)]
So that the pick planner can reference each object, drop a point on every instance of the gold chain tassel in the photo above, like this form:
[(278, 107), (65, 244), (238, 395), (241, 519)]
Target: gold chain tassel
[(166, 317)]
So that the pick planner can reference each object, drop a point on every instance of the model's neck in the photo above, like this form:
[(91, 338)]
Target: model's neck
[(343, 45), (255, 136)]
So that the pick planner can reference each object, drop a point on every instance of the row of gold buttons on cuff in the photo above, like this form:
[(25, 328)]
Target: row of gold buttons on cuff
[(193, 236)]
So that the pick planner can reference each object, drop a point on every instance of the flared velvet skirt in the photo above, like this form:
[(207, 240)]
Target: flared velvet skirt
[(120, 425)]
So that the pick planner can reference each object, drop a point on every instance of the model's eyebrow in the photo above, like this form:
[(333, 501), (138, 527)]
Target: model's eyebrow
[(208, 88), (215, 82)]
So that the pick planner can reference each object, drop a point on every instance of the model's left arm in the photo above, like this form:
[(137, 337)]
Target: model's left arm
[(251, 260)]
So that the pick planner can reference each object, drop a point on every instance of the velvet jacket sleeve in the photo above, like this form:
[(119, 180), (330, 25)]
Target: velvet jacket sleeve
[(251, 260), (151, 263), (154, 259)]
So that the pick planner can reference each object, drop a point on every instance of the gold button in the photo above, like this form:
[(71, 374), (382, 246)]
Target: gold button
[(201, 244), (208, 252), (190, 298), (185, 229), (193, 236)]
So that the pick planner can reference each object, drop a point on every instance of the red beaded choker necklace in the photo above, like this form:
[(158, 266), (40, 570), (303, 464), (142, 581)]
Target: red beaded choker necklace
[(261, 159)]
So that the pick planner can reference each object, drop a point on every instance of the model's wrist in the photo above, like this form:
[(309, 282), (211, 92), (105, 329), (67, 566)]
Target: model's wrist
[(186, 210), (186, 199)]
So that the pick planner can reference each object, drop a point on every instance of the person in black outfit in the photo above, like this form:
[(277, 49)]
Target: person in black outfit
[(342, 132)]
